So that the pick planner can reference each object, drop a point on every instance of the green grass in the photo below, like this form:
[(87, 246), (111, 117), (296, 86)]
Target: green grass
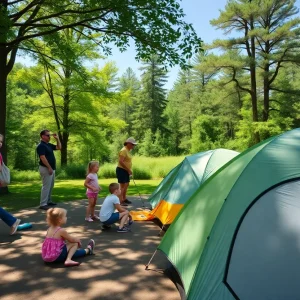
[(24, 195), (143, 168)]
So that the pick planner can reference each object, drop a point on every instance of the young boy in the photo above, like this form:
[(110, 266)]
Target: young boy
[(111, 203)]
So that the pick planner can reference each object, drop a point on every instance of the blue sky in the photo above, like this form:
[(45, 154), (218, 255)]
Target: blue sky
[(197, 13)]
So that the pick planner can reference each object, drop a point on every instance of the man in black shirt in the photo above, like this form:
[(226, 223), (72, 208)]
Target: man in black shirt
[(47, 166)]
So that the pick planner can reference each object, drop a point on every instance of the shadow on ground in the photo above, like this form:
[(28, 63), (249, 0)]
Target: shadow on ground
[(116, 271)]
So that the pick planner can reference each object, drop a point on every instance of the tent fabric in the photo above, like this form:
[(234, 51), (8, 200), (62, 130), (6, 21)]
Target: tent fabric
[(198, 243), (271, 226), (180, 184)]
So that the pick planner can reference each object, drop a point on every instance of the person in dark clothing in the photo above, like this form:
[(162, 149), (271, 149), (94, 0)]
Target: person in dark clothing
[(47, 166)]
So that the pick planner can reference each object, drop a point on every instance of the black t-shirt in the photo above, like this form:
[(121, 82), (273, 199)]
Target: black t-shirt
[(47, 150)]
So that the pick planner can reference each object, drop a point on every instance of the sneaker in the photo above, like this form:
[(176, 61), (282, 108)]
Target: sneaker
[(89, 219), (14, 227), (51, 203), (127, 201), (124, 229), (95, 218), (44, 207), (91, 246), (124, 204), (130, 222)]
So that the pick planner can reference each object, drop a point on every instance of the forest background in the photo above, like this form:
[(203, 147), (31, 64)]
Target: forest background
[(238, 91)]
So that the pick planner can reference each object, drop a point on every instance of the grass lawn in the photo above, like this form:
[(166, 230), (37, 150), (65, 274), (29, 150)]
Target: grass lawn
[(24, 195)]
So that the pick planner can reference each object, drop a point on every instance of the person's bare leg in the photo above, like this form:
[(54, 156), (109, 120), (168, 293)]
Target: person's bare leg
[(125, 190), (71, 248), (89, 208), (123, 218), (94, 217), (124, 187), (93, 204)]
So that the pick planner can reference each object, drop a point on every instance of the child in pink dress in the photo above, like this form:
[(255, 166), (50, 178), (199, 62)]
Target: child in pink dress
[(55, 248), (93, 188)]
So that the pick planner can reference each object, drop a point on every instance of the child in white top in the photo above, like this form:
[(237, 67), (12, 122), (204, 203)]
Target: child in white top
[(93, 188), (111, 203)]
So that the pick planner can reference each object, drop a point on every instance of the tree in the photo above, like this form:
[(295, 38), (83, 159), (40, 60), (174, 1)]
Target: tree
[(71, 104), (154, 25), (151, 99), (270, 39), (129, 85)]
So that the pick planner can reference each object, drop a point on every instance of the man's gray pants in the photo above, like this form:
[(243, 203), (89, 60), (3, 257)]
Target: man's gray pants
[(48, 183)]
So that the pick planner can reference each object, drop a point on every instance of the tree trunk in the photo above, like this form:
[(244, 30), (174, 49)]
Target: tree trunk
[(3, 83), (265, 116), (64, 149), (253, 84), (65, 121)]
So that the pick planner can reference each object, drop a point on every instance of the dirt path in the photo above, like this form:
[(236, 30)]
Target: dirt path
[(115, 272)]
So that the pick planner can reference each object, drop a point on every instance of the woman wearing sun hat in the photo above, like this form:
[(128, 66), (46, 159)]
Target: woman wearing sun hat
[(124, 169)]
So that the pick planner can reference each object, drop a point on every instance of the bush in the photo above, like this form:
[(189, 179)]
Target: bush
[(72, 172), (139, 173), (143, 168), (24, 175), (107, 171)]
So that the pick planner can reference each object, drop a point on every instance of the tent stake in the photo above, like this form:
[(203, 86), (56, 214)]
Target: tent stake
[(147, 265)]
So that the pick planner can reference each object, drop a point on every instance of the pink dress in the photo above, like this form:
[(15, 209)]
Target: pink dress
[(52, 247)]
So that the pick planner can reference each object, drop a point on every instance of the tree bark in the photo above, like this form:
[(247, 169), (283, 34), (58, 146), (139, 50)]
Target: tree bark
[(253, 82), (3, 82)]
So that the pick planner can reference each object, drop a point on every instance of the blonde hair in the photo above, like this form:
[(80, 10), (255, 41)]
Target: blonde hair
[(91, 166), (54, 216), (112, 187)]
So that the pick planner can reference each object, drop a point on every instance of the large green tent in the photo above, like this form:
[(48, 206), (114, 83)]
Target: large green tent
[(238, 236), (182, 181)]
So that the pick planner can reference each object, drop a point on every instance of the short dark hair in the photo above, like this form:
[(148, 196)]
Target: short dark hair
[(112, 187), (43, 132)]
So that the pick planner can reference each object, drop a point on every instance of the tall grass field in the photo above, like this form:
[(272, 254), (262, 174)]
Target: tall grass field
[(143, 168)]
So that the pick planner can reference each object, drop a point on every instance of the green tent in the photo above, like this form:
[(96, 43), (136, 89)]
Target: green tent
[(182, 181), (238, 236)]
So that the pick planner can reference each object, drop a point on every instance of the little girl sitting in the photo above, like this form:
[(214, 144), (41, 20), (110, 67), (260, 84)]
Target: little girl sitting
[(54, 248)]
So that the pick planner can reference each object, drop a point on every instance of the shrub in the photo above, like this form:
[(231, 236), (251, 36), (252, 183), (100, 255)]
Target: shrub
[(72, 172), (140, 173), (107, 171), (143, 168), (24, 175)]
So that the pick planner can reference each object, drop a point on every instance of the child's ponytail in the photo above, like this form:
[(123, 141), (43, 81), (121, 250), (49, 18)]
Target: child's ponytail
[(90, 166), (54, 215)]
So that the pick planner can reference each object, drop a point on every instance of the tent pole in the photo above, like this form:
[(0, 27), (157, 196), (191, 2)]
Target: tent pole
[(147, 265), (162, 228)]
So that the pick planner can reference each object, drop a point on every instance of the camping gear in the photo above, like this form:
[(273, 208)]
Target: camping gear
[(143, 202), (238, 236), (181, 183)]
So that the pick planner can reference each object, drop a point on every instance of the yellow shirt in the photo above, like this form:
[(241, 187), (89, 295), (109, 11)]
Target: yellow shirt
[(127, 161)]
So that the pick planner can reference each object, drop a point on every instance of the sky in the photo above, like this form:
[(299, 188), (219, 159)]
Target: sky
[(199, 13)]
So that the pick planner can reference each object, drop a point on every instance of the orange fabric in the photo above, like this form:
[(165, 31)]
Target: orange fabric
[(164, 211), (141, 215)]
